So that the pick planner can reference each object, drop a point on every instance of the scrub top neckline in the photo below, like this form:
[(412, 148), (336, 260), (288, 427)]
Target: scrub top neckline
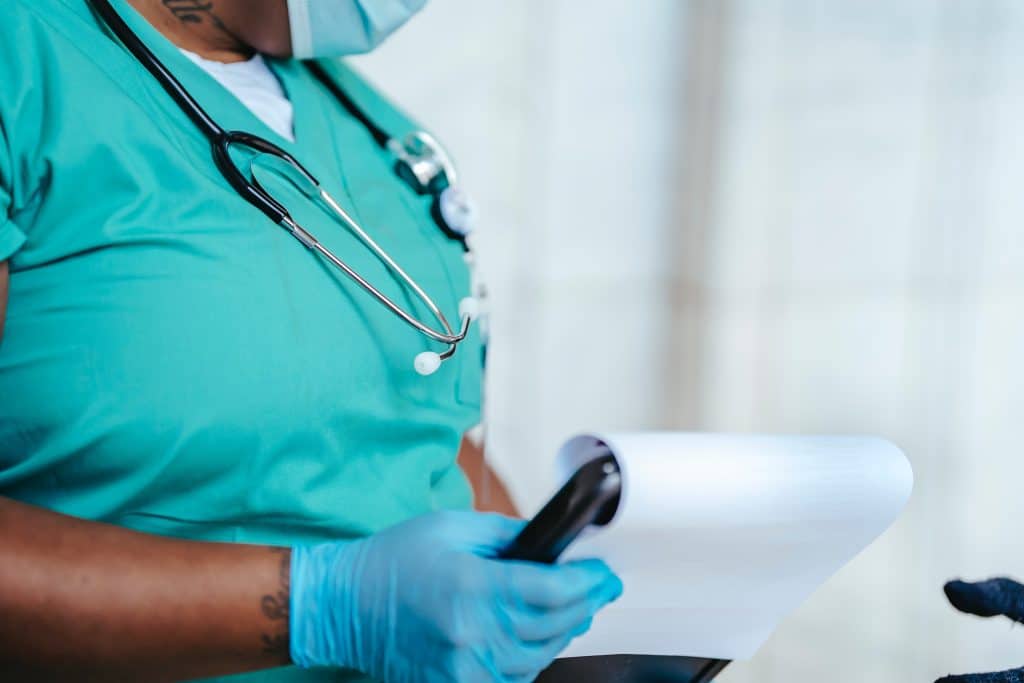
[(230, 112), (258, 87), (219, 102)]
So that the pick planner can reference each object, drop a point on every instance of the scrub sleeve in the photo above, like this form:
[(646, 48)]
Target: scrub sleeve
[(11, 237)]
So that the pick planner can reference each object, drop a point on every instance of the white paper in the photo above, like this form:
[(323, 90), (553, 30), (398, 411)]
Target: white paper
[(718, 537)]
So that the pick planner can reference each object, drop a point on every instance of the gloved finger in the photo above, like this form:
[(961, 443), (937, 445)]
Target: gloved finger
[(554, 586), (531, 625), (524, 678), (535, 657), (483, 534), (479, 666), (1011, 676), (990, 598)]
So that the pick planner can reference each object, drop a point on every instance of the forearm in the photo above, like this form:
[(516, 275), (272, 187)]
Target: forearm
[(489, 492), (88, 601)]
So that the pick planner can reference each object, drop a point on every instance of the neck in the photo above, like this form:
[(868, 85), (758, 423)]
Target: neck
[(195, 25)]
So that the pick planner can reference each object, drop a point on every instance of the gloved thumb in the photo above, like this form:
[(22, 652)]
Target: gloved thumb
[(999, 596), (484, 534)]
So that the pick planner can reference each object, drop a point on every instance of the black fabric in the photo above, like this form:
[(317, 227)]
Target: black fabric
[(998, 597)]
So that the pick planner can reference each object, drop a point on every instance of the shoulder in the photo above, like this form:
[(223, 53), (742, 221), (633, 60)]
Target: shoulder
[(43, 45), (19, 101), (36, 39), (39, 37), (34, 24), (20, 34), (21, 85), (12, 13)]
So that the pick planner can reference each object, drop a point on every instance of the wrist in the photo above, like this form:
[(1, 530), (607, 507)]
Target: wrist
[(322, 617)]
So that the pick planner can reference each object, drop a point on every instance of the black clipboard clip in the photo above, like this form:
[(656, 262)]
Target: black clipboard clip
[(591, 497)]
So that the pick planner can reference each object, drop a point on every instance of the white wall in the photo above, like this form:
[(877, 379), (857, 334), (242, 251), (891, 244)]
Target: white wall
[(565, 125), (865, 276), (834, 246)]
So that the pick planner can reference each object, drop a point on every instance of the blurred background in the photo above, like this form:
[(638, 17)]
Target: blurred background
[(760, 216)]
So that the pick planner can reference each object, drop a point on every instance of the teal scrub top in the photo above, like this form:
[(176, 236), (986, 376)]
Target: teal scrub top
[(175, 363)]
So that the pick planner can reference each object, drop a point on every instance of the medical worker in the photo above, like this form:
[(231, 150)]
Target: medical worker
[(215, 456)]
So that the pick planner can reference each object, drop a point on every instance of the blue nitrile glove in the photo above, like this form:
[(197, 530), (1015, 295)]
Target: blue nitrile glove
[(427, 602), (995, 597)]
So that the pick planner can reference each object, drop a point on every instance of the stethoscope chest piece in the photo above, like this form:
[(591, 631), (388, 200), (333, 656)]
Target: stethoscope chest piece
[(422, 162)]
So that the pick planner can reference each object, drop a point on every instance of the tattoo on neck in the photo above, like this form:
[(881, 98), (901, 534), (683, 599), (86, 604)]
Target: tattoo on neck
[(275, 607), (193, 11)]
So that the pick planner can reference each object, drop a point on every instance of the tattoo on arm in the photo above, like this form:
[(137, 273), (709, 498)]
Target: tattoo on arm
[(193, 11), (275, 607)]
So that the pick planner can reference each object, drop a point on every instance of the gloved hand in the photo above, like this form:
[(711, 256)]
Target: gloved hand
[(988, 599), (427, 602)]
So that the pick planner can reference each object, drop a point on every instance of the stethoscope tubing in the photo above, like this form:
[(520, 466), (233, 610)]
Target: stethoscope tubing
[(210, 128), (221, 141)]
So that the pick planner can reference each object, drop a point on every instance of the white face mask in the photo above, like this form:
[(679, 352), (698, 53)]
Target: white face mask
[(335, 28)]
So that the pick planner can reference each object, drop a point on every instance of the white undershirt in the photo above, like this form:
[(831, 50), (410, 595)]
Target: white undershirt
[(256, 86)]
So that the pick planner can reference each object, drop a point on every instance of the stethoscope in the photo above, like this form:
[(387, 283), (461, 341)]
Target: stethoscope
[(419, 160)]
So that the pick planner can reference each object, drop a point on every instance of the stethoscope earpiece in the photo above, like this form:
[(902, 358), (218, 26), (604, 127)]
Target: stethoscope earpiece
[(469, 308), (427, 363)]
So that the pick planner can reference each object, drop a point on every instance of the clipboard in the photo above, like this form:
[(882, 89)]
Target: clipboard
[(591, 498)]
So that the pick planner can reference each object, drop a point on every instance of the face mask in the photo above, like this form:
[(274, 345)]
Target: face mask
[(335, 28)]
